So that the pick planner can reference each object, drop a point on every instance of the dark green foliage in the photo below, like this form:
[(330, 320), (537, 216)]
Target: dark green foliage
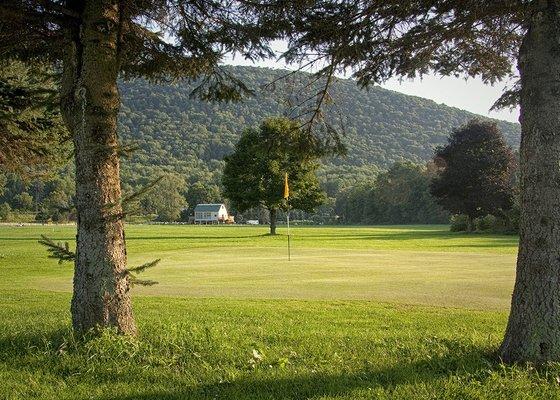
[(32, 136), (381, 126), (254, 173), (5, 211), (398, 196), (460, 223), (475, 173), (200, 193), (164, 199)]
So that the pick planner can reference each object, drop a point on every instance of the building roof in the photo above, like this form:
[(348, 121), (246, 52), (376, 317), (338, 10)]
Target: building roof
[(208, 207)]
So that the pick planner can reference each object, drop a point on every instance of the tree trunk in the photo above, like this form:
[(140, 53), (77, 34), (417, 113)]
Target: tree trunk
[(272, 212), (470, 224), (90, 104), (533, 331)]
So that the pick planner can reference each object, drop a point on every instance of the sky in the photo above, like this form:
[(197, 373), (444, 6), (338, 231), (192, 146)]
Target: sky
[(471, 95)]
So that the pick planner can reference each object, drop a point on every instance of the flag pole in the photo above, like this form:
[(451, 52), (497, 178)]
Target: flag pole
[(287, 198), (288, 221)]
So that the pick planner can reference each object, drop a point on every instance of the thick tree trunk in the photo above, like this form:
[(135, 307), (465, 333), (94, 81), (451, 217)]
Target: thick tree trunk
[(90, 104), (533, 331), (272, 212)]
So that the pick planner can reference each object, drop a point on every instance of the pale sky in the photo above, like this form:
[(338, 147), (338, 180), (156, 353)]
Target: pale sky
[(471, 95)]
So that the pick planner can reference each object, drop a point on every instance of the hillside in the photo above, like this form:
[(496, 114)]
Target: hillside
[(177, 133), (185, 140)]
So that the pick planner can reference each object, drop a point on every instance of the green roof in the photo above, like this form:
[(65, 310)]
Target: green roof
[(207, 207)]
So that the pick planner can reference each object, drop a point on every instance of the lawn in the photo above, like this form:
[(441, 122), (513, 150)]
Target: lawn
[(359, 313)]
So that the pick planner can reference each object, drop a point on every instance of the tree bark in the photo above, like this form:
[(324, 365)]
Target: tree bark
[(272, 212), (533, 330), (90, 104)]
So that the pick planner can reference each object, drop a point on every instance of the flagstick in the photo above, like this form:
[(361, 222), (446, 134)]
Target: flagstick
[(288, 221)]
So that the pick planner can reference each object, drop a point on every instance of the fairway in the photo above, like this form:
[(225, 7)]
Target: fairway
[(425, 265), (403, 312)]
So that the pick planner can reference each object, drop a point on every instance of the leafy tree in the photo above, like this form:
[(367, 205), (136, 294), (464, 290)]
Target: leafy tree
[(254, 173), (403, 196), (203, 192), (5, 211), (165, 199), (475, 172), (95, 41), (379, 40), (400, 195), (24, 201), (32, 135)]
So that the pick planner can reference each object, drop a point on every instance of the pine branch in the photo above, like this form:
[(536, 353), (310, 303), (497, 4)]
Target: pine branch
[(60, 251), (134, 280), (127, 150), (144, 267), (130, 201)]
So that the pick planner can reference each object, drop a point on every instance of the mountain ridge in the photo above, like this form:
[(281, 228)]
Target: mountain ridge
[(178, 134)]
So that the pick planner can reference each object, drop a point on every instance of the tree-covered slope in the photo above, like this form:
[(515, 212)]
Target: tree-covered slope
[(178, 133)]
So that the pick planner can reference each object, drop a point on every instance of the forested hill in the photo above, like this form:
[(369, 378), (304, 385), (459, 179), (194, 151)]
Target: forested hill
[(180, 134)]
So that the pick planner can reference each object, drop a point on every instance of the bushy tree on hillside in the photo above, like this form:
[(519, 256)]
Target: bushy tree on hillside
[(475, 172), (203, 192), (400, 195), (254, 173), (165, 199)]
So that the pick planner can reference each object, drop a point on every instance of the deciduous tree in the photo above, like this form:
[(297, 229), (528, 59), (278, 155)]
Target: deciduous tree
[(475, 172), (254, 173)]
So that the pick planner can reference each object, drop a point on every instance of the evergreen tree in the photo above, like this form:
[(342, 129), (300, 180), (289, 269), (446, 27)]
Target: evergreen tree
[(95, 41), (379, 40), (475, 172), (33, 139), (254, 173)]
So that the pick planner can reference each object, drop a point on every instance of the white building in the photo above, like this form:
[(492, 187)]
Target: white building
[(210, 214)]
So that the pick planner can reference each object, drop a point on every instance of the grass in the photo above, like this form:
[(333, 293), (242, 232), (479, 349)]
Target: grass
[(359, 313)]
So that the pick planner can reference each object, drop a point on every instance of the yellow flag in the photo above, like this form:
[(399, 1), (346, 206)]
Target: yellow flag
[(286, 186)]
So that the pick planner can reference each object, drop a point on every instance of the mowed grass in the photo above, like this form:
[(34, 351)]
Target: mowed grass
[(408, 265), (359, 313)]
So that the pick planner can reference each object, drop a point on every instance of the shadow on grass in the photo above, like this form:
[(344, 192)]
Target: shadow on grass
[(40, 353), (416, 235), (476, 366)]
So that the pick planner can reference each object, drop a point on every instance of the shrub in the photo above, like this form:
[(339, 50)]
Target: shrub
[(487, 223), (459, 223), (42, 216), (5, 212)]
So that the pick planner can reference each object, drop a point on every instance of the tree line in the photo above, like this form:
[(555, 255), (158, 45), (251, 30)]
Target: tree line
[(472, 180)]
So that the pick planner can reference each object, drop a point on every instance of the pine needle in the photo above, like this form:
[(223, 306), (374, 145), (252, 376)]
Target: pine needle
[(60, 251)]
